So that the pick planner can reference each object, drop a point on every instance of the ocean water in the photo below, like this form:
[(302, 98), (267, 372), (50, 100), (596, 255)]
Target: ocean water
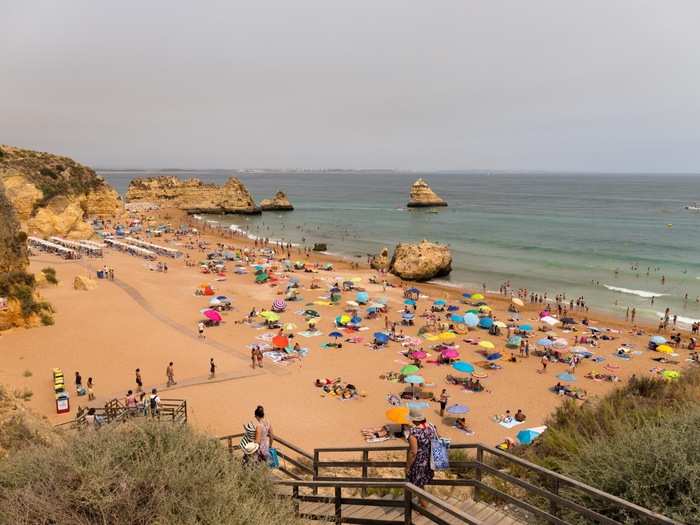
[(609, 238)]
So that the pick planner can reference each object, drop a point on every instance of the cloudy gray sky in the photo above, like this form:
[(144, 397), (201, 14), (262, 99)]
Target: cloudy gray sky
[(590, 85)]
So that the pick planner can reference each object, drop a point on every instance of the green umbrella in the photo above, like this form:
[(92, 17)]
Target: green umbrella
[(261, 278), (409, 369)]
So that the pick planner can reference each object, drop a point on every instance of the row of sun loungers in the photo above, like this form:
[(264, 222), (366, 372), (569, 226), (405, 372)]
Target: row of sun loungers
[(89, 248), (131, 249), (52, 248), (161, 250)]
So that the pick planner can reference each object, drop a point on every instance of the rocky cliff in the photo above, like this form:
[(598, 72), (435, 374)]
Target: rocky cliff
[(13, 241), (421, 262), (381, 260), (279, 202), (192, 195), (54, 195), (423, 197)]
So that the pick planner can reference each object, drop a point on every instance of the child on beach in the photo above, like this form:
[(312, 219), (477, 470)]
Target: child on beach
[(212, 368), (200, 330), (139, 381), (170, 373), (90, 389)]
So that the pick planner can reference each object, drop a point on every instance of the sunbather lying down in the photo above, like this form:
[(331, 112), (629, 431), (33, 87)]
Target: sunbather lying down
[(461, 424), (383, 433), (598, 376)]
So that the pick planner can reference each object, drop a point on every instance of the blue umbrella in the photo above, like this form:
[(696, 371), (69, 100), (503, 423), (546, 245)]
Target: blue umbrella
[(417, 405), (544, 342), (466, 295), (381, 337), (525, 327), (413, 290), (527, 436), (658, 340), (463, 366), (471, 320), (452, 308), (440, 301), (335, 334), (566, 376), (356, 319), (372, 309), (493, 357), (514, 341), (457, 318), (485, 322), (409, 302), (407, 316), (362, 297), (458, 409), (414, 380)]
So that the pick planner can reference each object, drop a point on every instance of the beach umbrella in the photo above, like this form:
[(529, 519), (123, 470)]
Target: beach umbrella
[(463, 366), (352, 303), (548, 319), (493, 357), (381, 338), (440, 302), (342, 319), (487, 344), (311, 313), (560, 343), (382, 301), (545, 342), (278, 305), (417, 405), (457, 409), (418, 354), (500, 324), (471, 320), (477, 296), (664, 349), (447, 336), (467, 295), (213, 315), (290, 326), (658, 340), (407, 316), (452, 308), (473, 311), (485, 308), (670, 374), (214, 302), (518, 302), (356, 320), (362, 297), (514, 341), (409, 302), (413, 290), (261, 278), (335, 335), (334, 289), (280, 341), (409, 369), (566, 376), (485, 322), (528, 435), (525, 327), (398, 415), (450, 353), (414, 380)]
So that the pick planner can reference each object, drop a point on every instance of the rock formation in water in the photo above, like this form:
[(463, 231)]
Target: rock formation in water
[(381, 260), (192, 195), (54, 195), (423, 197), (279, 202), (421, 262)]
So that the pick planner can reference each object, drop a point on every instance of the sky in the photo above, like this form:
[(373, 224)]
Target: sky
[(470, 84)]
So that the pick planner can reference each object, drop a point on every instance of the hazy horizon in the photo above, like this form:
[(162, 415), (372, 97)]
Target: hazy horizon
[(596, 87)]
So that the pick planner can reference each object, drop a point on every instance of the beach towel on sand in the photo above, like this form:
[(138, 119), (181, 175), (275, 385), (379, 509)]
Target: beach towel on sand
[(307, 333), (511, 424)]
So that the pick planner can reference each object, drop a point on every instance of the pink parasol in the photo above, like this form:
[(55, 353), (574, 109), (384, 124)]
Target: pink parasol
[(213, 315), (418, 354), (450, 353)]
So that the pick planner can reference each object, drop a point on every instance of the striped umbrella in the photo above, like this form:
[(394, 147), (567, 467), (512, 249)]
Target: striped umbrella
[(278, 305)]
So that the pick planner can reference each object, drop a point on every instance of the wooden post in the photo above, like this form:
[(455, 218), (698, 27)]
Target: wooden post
[(407, 506), (338, 507), (295, 499), (553, 505), (315, 470), (478, 474), (365, 459)]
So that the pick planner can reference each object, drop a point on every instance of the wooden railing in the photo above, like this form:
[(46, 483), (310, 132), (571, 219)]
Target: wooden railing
[(405, 503), (542, 493), (169, 410)]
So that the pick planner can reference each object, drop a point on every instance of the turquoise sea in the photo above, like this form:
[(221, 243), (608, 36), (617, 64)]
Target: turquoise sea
[(556, 233)]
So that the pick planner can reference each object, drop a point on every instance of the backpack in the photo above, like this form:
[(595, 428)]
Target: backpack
[(154, 403)]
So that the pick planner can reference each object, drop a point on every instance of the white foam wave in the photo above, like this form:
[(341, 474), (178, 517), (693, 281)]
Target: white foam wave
[(680, 320), (640, 293)]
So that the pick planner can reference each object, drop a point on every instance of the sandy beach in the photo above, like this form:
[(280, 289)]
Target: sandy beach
[(146, 319)]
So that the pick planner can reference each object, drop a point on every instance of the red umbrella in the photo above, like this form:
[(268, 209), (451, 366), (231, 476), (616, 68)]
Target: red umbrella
[(213, 315), (280, 341)]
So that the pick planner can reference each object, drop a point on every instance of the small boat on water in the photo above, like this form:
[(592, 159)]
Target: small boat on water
[(693, 206)]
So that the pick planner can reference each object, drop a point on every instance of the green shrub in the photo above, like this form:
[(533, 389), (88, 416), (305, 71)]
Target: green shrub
[(147, 473), (50, 274)]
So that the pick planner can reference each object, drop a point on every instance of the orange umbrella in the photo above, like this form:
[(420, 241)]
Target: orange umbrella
[(280, 341)]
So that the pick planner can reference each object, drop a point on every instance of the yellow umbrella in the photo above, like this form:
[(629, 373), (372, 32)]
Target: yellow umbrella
[(345, 319), (447, 336), (323, 303), (671, 374), (398, 415), (484, 308), (266, 313), (356, 279), (487, 344), (432, 338), (518, 302), (290, 326), (477, 296), (664, 349), (500, 324)]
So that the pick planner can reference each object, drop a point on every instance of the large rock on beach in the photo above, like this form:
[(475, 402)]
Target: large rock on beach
[(279, 202), (423, 197), (421, 262), (193, 195), (83, 283), (381, 260), (54, 195)]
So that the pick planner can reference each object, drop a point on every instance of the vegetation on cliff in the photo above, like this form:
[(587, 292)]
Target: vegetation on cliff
[(136, 474), (640, 442)]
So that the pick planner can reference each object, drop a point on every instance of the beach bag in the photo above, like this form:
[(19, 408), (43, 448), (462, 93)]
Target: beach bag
[(273, 461), (439, 452)]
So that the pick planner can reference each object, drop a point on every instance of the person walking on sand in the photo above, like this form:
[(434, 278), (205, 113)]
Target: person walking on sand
[(200, 330), (259, 356), (90, 389), (78, 383), (263, 432), (634, 314), (253, 356), (139, 381), (212, 368), (444, 397), (154, 403), (170, 373), (545, 360)]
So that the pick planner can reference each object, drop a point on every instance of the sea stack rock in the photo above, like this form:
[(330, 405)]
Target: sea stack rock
[(279, 202), (381, 260), (423, 197), (54, 195), (421, 262), (192, 195)]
